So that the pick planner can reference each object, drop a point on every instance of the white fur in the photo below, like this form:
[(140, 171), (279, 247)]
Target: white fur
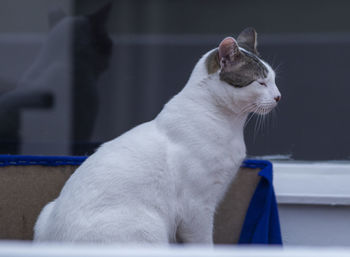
[(164, 177)]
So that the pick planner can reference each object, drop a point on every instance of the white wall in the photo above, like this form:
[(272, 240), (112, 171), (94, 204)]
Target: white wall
[(314, 203)]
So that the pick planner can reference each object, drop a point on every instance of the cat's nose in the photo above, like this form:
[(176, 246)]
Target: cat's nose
[(277, 98)]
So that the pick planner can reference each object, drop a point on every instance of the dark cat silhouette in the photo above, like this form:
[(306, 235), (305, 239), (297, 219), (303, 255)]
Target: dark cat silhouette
[(74, 55), (91, 53)]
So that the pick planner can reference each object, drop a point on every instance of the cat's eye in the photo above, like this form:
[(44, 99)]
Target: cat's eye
[(263, 84)]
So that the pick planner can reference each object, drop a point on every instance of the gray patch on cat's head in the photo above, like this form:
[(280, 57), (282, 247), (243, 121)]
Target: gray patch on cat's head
[(243, 69), (239, 67), (212, 62)]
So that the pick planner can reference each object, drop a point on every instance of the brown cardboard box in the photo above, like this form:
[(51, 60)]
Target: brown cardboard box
[(24, 190)]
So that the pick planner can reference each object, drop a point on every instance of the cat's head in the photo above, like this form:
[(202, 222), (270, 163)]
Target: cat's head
[(86, 35), (243, 76)]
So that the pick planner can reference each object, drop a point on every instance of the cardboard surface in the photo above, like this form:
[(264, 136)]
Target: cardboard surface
[(231, 212), (24, 190)]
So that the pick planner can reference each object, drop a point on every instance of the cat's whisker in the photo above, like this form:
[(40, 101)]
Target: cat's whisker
[(246, 108), (266, 121), (273, 117), (256, 130), (253, 114), (257, 121), (249, 119), (269, 120), (263, 120)]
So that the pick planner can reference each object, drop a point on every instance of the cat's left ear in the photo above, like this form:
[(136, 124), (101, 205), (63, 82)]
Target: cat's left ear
[(99, 18), (228, 51), (247, 39)]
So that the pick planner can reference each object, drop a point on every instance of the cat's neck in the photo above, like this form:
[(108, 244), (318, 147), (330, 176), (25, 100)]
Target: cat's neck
[(197, 109)]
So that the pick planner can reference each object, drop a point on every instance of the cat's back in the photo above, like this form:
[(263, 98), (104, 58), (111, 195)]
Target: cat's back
[(129, 159), (124, 174)]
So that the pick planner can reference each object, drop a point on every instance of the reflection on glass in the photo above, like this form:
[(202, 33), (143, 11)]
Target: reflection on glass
[(101, 69), (53, 108)]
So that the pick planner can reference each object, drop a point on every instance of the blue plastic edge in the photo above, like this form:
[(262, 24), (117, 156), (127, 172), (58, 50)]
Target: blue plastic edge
[(255, 164), (24, 160)]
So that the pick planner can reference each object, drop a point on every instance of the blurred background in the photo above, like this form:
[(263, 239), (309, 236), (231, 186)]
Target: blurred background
[(74, 74)]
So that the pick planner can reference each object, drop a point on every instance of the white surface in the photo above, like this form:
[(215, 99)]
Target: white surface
[(312, 183), (315, 225), (29, 250), (314, 203)]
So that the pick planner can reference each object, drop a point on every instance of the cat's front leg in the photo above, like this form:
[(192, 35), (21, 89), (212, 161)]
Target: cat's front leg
[(197, 229)]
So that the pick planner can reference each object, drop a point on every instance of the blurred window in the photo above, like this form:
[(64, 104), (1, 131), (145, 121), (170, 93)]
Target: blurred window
[(75, 74)]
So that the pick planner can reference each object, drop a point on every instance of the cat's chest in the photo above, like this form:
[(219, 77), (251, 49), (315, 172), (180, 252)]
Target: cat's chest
[(220, 169), (226, 154), (206, 179), (209, 163)]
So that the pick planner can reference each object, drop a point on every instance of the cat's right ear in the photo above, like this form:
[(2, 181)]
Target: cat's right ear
[(248, 40), (228, 51), (56, 14), (99, 18)]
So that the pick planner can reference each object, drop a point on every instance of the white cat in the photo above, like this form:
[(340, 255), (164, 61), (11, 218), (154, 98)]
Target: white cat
[(164, 178)]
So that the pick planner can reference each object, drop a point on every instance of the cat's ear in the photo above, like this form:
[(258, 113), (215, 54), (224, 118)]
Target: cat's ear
[(99, 18), (228, 51), (247, 39), (56, 14)]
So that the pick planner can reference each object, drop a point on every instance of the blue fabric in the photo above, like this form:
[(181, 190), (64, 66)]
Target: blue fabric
[(261, 224)]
